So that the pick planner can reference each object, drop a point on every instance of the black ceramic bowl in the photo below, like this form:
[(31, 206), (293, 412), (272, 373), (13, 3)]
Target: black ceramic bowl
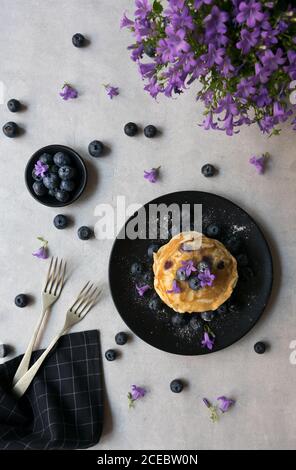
[(77, 163)]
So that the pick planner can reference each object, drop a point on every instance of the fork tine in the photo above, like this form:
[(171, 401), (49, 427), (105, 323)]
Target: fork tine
[(48, 274), (79, 295), (61, 281), (86, 308), (82, 299), (52, 276), (55, 276), (58, 277)]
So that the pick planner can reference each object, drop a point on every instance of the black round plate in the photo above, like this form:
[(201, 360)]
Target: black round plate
[(248, 300)]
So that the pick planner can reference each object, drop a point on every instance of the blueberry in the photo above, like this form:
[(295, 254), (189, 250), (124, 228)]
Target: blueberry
[(136, 268), (195, 323), (85, 233), (4, 350), (46, 158), (51, 181), (10, 129), (221, 265), (21, 300), (39, 188), (131, 129), (213, 231), (147, 277), (110, 355), (154, 303), (233, 244), (60, 221), (14, 105), (176, 386), (153, 248), (149, 50), (207, 316), (78, 40), (260, 347), (62, 196), (181, 274), (178, 320), (96, 148), (36, 177), (68, 185), (54, 169), (66, 172), (194, 283), (52, 192), (208, 170), (242, 260), (222, 309), (203, 265), (150, 131), (61, 159), (121, 338)]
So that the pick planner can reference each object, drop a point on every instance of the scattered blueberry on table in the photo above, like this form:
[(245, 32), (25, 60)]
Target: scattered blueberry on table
[(85, 233), (21, 300), (60, 221), (213, 231), (136, 268), (131, 129), (10, 129), (207, 316), (208, 170), (110, 355), (150, 131), (260, 347), (154, 303), (78, 40), (96, 148), (13, 105), (176, 386), (121, 338)]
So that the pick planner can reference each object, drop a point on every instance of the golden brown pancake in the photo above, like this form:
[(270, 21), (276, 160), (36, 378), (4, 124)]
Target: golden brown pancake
[(168, 260)]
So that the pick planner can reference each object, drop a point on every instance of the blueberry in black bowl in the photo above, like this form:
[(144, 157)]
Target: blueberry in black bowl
[(56, 175)]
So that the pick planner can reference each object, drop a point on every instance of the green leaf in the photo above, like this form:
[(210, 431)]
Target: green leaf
[(157, 7)]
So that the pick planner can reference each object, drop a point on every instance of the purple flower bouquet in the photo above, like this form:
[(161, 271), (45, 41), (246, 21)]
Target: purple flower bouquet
[(242, 52)]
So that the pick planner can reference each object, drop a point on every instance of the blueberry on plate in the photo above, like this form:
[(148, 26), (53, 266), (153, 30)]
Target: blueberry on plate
[(207, 316), (68, 185), (36, 177), (213, 231), (153, 248), (46, 158), (60, 221), (121, 338), (136, 268), (149, 50), (61, 159), (194, 283), (21, 300), (96, 148), (176, 386), (78, 40), (178, 320), (13, 105), (203, 265), (181, 274), (208, 170), (242, 260), (131, 129), (260, 347), (10, 129), (51, 181), (154, 303), (195, 323), (85, 233), (150, 131), (233, 244), (62, 196), (39, 188), (110, 355), (66, 172), (147, 277), (222, 309)]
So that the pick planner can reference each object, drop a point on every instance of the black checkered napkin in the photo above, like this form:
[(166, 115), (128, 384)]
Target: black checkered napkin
[(63, 407)]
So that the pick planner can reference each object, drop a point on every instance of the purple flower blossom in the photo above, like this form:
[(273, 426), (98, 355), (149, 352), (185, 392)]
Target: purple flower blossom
[(250, 12), (206, 278), (68, 92), (213, 56), (207, 342), (248, 40), (271, 61), (142, 289), (225, 403), (199, 3), (215, 22), (143, 9), (111, 91), (42, 252), (135, 394), (152, 175), (176, 289), (259, 163), (40, 168), (246, 87), (125, 22), (189, 267)]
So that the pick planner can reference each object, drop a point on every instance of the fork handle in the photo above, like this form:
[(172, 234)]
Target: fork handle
[(21, 386), (25, 362)]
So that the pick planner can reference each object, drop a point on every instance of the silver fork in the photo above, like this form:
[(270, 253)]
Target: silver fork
[(54, 284), (86, 299)]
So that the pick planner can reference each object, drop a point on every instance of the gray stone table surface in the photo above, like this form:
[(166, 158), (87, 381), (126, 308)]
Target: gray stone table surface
[(37, 57)]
